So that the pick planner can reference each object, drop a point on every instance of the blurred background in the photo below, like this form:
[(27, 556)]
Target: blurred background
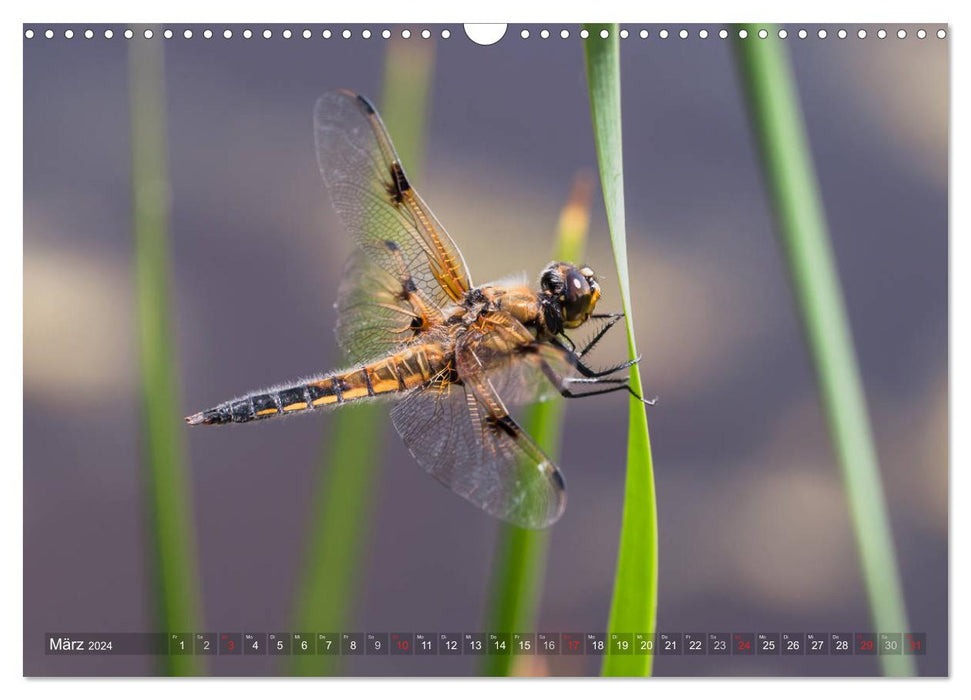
[(754, 530)]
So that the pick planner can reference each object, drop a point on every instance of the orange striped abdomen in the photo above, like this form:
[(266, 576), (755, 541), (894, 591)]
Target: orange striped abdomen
[(399, 372)]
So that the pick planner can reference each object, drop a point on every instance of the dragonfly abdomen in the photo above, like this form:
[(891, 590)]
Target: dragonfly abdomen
[(392, 374)]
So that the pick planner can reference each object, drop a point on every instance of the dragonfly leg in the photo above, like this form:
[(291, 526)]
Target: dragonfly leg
[(615, 384), (574, 359), (611, 320)]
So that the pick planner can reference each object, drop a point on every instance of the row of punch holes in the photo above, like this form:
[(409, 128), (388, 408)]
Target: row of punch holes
[(446, 33)]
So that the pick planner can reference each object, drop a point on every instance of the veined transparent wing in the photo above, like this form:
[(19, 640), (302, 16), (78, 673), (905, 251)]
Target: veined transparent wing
[(377, 309), (389, 221), (463, 435)]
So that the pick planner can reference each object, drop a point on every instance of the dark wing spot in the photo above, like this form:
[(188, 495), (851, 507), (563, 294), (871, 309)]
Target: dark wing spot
[(392, 246), (558, 479), (408, 287), (399, 183), (399, 178), (368, 107), (393, 193), (503, 424)]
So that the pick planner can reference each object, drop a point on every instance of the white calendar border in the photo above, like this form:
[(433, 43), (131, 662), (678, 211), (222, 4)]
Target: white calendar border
[(386, 11)]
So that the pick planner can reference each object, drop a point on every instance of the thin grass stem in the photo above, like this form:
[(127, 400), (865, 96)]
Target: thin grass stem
[(167, 492), (780, 132)]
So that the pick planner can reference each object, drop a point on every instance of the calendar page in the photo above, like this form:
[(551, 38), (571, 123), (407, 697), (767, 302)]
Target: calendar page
[(485, 350)]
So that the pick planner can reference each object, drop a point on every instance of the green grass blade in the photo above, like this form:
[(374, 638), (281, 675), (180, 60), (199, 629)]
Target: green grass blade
[(520, 559), (407, 91), (168, 501), (634, 604), (794, 193), (350, 467)]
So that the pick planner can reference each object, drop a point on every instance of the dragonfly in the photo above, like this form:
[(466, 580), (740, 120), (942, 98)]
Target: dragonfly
[(452, 355)]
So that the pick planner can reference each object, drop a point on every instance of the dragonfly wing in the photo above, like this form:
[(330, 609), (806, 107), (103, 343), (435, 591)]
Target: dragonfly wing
[(374, 314), (464, 437), (392, 225)]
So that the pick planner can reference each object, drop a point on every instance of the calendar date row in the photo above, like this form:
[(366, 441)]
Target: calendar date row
[(485, 643)]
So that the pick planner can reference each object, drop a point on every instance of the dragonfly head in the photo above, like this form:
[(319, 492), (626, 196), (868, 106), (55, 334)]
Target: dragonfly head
[(571, 291)]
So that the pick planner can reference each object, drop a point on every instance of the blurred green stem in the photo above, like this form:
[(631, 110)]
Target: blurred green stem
[(350, 468), (634, 605), (793, 190), (520, 559), (167, 495)]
